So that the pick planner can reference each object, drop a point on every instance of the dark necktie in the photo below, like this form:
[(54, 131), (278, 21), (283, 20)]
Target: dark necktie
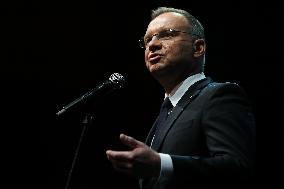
[(162, 118)]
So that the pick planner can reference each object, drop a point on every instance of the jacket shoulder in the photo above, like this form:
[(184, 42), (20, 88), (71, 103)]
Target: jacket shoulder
[(226, 87), (221, 89)]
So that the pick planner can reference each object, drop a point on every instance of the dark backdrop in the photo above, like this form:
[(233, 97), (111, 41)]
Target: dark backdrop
[(53, 53)]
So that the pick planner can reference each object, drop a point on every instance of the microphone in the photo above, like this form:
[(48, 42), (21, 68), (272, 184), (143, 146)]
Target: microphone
[(115, 81)]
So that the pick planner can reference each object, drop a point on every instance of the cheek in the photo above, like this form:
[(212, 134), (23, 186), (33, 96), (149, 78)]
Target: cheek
[(145, 56), (145, 59), (179, 52)]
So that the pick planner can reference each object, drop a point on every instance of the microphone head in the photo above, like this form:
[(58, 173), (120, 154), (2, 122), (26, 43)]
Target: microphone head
[(118, 80)]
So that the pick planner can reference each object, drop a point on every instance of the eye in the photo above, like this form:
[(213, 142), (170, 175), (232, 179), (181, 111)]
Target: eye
[(167, 34)]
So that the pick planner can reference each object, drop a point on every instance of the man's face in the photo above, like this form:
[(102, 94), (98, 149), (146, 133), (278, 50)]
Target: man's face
[(168, 47)]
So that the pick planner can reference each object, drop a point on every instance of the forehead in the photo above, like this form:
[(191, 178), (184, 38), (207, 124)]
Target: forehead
[(168, 20)]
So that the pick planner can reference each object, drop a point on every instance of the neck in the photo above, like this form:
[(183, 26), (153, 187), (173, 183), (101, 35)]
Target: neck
[(170, 91), (171, 81), (170, 85)]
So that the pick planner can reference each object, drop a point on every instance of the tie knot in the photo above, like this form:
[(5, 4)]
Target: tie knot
[(167, 104), (162, 118)]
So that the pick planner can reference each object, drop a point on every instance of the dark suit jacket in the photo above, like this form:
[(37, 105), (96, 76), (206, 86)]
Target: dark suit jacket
[(209, 136)]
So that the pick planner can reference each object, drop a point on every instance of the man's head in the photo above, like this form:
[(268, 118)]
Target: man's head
[(174, 44)]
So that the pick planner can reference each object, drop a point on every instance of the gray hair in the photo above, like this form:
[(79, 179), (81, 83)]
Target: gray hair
[(197, 28)]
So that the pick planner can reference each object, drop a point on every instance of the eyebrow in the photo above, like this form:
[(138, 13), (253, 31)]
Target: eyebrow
[(157, 31)]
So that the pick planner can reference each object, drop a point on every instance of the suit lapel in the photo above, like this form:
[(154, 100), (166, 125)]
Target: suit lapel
[(191, 93)]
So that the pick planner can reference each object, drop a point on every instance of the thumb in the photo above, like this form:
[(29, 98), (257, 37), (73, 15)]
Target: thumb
[(130, 141)]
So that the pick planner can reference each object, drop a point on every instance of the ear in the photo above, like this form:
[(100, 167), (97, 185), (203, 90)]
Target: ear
[(199, 47)]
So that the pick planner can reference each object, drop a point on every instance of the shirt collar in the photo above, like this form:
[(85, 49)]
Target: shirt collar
[(184, 86)]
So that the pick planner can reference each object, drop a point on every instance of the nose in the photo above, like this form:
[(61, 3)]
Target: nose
[(154, 44)]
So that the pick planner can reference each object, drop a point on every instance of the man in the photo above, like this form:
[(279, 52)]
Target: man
[(206, 140)]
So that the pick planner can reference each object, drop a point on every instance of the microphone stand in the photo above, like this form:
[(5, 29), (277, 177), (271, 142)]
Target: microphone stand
[(86, 121), (115, 81)]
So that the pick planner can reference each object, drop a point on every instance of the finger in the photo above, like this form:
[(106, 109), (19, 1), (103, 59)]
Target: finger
[(130, 141), (121, 165), (119, 155)]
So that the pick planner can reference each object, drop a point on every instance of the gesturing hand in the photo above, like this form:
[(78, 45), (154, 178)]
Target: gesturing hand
[(141, 161)]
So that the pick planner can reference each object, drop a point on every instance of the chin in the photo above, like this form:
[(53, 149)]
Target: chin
[(155, 68), (159, 71)]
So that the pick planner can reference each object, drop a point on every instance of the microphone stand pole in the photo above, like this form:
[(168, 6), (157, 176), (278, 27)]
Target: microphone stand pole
[(87, 120)]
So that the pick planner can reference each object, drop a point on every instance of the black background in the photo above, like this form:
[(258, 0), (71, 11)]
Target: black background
[(55, 52)]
